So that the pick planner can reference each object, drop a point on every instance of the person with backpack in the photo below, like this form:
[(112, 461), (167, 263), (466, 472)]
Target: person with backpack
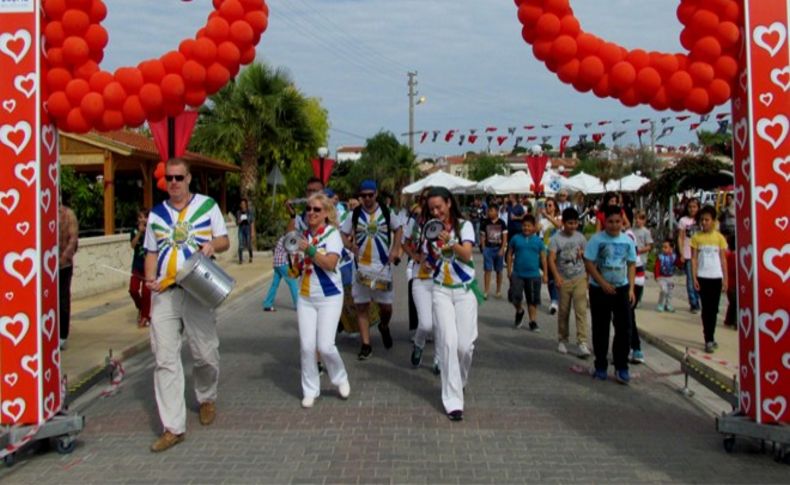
[(374, 237)]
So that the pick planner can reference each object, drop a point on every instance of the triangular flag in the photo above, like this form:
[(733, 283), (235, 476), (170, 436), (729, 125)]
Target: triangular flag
[(704, 118), (682, 118), (666, 131), (435, 135), (693, 126), (617, 134), (501, 139), (545, 127), (546, 139), (519, 139), (645, 120), (564, 143), (449, 136), (602, 123), (423, 137), (491, 129), (529, 127), (597, 137), (461, 140), (569, 126), (723, 124), (512, 130), (721, 116), (531, 138), (582, 138), (588, 124), (472, 139)]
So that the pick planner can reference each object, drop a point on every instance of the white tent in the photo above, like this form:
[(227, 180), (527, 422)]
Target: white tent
[(516, 183), (439, 179), (483, 185), (585, 183), (629, 183)]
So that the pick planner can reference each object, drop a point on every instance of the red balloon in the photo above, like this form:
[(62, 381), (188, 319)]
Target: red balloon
[(542, 49), (660, 101), (587, 45), (698, 101), (92, 106), (685, 11), (195, 98), (548, 26), (194, 73), (153, 71), (174, 109), (130, 78), (205, 51), (231, 10), (218, 29), (732, 13), (151, 97), (78, 4), (591, 70), (258, 21), (559, 7), (719, 91), (112, 120), (75, 122), (58, 104), (622, 75), (638, 58), (159, 171), (679, 85), (563, 48), (667, 65), (98, 11), (54, 9), (75, 22), (728, 34), (255, 5), (97, 38), (99, 80), (173, 88), (216, 77), (228, 54), (726, 68), (528, 15), (241, 33), (86, 70), (161, 184), (602, 89), (55, 34), (705, 22), (648, 80), (114, 95), (76, 89), (610, 54), (75, 50), (173, 62), (55, 57), (569, 71), (248, 55), (569, 25), (687, 38), (630, 98), (57, 79), (187, 47), (706, 49), (133, 112), (702, 73)]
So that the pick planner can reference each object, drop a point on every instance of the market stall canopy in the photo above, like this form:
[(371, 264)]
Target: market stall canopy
[(516, 183), (483, 185), (629, 183), (439, 179), (585, 183)]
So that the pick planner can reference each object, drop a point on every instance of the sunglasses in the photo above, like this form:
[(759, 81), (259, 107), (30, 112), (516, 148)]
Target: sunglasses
[(314, 209), (367, 195), (177, 178)]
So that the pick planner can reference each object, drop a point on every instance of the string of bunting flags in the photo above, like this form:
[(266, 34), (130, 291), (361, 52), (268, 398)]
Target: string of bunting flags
[(533, 133)]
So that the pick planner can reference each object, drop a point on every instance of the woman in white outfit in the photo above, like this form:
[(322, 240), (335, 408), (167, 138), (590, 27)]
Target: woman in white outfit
[(454, 299), (320, 299)]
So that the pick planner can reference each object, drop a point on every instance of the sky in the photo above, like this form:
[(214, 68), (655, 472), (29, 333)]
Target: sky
[(474, 69)]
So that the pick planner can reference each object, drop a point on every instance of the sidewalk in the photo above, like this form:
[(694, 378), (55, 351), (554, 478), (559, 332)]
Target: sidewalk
[(108, 322)]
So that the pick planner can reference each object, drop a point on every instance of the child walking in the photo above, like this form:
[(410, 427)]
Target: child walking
[(665, 275), (709, 270), (525, 260), (644, 244), (610, 258)]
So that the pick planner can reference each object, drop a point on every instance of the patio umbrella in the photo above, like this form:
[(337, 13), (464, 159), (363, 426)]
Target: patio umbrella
[(439, 179), (585, 183)]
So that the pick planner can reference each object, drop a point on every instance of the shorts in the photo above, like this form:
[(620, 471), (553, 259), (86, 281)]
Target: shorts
[(492, 260), (529, 287), (364, 294)]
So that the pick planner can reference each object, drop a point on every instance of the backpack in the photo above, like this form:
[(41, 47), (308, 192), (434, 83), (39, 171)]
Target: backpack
[(385, 211)]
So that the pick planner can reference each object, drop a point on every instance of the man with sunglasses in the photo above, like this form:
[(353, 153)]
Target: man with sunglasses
[(180, 226), (374, 236)]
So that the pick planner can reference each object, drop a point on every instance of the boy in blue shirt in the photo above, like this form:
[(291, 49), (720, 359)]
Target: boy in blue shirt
[(526, 258), (610, 259)]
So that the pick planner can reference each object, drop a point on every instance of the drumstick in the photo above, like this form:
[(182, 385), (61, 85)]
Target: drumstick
[(125, 273)]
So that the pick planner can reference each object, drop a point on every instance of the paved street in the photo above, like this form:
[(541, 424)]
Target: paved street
[(528, 418)]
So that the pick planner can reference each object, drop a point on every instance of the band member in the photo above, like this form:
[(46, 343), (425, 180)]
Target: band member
[(320, 299), (299, 223), (177, 228), (374, 236), (454, 299), (422, 265)]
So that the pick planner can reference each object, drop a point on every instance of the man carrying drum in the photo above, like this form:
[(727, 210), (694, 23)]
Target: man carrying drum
[(177, 228), (373, 235)]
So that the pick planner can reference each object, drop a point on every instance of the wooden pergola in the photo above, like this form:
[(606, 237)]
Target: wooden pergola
[(131, 154)]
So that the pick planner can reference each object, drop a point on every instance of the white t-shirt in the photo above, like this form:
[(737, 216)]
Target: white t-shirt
[(452, 271), (318, 282), (373, 239)]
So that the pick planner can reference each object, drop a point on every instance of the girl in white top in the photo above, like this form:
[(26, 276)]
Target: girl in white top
[(320, 299), (550, 223), (687, 227), (454, 299)]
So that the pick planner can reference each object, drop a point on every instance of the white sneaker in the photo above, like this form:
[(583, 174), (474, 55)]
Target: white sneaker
[(553, 308), (308, 402), (584, 352), (344, 390), (63, 344), (561, 348)]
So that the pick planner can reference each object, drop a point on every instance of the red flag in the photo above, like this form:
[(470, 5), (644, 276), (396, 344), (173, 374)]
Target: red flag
[(693, 126), (184, 124), (721, 116), (563, 143), (597, 137), (529, 127), (472, 139), (449, 136), (569, 126), (645, 120), (532, 138), (601, 123), (642, 132), (324, 172), (501, 139), (537, 166), (491, 129), (682, 118), (423, 137)]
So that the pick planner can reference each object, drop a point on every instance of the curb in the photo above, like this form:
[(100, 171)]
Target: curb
[(91, 377)]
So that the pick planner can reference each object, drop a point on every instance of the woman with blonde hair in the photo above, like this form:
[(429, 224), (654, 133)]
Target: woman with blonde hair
[(320, 299)]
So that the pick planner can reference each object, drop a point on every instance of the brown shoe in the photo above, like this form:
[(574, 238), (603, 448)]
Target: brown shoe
[(208, 411), (166, 441)]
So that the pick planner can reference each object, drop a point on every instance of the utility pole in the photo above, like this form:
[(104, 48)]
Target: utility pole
[(412, 93)]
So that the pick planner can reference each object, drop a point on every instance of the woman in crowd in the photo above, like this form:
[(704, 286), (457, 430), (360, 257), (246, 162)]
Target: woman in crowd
[(550, 223), (610, 199), (245, 221), (320, 299), (687, 227), (454, 299)]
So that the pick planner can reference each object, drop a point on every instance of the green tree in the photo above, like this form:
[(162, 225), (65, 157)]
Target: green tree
[(715, 143), (384, 160), (85, 197), (258, 120), (483, 166), (586, 149)]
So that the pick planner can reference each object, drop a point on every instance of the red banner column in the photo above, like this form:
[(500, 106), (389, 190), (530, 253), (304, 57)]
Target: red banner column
[(761, 104)]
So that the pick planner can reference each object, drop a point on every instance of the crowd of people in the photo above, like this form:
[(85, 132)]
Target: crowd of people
[(338, 261)]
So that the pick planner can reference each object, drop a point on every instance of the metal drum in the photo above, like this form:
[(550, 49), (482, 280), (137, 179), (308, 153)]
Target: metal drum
[(205, 280)]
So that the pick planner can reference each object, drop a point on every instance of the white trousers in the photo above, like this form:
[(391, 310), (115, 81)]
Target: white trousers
[(175, 312), (455, 316), (318, 317), (422, 292)]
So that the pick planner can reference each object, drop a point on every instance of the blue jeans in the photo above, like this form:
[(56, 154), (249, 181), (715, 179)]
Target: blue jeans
[(554, 294), (244, 241), (692, 293), (281, 273), (492, 261)]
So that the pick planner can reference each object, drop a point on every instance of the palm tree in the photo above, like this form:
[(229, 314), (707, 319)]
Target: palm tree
[(256, 121)]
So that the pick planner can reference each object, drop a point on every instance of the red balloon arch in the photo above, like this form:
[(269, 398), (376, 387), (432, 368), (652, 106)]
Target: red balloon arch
[(696, 81)]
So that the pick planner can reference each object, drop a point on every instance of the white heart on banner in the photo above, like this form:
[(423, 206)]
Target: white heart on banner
[(782, 222), (775, 139), (770, 254), (746, 166), (781, 77), (746, 402), (766, 99), (9, 200), (769, 292), (9, 105), (742, 133), (746, 265), (46, 199), (779, 167), (48, 323), (30, 364), (751, 358), (49, 139), (744, 372), (743, 80), (15, 328), (49, 404), (9, 295), (740, 195), (774, 324), (786, 360), (51, 263), (11, 379), (775, 407), (53, 173), (771, 38), (51, 226), (48, 375), (26, 84), (766, 195), (22, 227), (56, 356), (22, 129), (772, 376), (745, 320), (26, 172), (16, 45), (14, 409), (11, 260), (747, 223)]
